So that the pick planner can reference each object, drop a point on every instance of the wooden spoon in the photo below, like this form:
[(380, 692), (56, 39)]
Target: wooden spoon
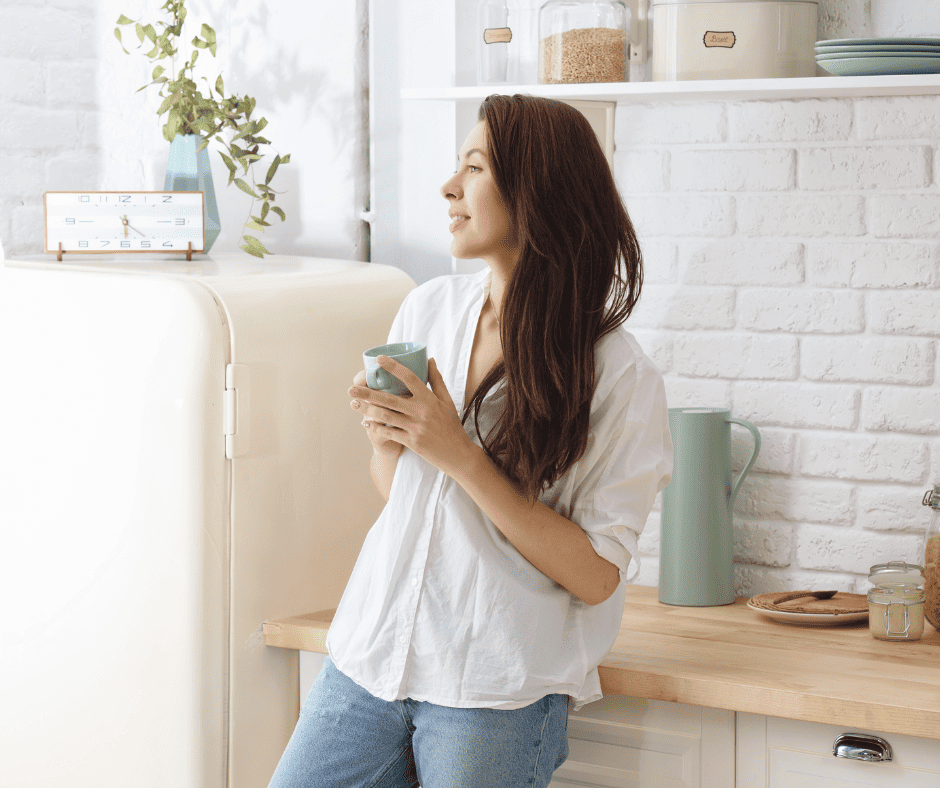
[(800, 594)]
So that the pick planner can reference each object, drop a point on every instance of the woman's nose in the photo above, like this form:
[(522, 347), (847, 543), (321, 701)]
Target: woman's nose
[(450, 188)]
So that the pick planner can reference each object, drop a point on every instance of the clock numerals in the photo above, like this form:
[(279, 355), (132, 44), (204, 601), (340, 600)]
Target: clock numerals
[(114, 222)]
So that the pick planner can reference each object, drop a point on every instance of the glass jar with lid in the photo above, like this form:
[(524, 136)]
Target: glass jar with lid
[(932, 558), (896, 603), (896, 612), (583, 41), (498, 42)]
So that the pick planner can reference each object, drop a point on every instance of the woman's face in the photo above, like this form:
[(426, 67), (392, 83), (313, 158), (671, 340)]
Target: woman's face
[(479, 220)]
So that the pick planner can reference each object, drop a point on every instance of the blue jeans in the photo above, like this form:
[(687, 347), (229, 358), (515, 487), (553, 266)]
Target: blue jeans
[(348, 738)]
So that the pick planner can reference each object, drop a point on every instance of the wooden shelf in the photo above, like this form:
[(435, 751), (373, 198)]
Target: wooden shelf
[(702, 90)]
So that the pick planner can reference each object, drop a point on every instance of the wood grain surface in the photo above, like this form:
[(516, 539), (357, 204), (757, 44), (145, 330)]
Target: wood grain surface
[(731, 657)]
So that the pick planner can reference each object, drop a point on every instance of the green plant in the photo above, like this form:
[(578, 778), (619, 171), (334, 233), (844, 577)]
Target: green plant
[(190, 112)]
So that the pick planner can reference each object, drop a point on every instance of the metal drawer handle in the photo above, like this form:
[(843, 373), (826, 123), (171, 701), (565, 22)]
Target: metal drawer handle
[(861, 747)]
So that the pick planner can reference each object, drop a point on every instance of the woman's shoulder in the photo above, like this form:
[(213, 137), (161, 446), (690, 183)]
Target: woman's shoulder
[(622, 364), (450, 286)]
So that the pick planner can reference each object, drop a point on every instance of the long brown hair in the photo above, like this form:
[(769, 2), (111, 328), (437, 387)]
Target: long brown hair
[(574, 233)]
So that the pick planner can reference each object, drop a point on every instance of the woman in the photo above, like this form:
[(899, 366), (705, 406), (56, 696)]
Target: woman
[(492, 584)]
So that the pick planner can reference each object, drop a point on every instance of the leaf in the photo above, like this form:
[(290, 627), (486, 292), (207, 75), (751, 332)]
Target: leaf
[(153, 52), (254, 243), (264, 210), (123, 20), (219, 88), (208, 33), (203, 145), (285, 159), (252, 251), (272, 169), (158, 71), (261, 221), (173, 123), (199, 43), (279, 212), (254, 226), (168, 102), (246, 188), (150, 33), (140, 32), (228, 162), (117, 32)]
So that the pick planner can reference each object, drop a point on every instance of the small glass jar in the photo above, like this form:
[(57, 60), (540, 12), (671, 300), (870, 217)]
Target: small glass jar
[(498, 42), (896, 612), (583, 41), (932, 558)]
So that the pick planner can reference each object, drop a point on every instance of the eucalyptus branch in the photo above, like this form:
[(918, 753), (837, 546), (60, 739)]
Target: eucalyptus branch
[(188, 111)]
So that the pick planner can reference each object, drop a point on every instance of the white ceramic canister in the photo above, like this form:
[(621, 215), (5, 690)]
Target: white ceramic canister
[(733, 39)]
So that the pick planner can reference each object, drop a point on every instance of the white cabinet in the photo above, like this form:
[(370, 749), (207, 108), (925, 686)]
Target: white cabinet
[(622, 742), (773, 752)]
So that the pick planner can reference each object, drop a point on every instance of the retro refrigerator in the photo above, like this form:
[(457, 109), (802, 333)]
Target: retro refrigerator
[(178, 464)]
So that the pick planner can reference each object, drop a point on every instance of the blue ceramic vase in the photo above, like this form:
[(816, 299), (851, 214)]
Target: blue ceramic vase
[(189, 171)]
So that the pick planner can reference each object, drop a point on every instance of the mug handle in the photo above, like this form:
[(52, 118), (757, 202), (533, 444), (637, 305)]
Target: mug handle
[(750, 462), (375, 378)]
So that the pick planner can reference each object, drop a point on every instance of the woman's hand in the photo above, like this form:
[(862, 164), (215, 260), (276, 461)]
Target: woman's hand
[(380, 445), (426, 422)]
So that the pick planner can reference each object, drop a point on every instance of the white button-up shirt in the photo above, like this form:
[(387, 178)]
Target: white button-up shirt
[(440, 606)]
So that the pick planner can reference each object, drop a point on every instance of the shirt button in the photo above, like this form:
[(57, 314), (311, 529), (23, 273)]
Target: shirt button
[(414, 582), (402, 639)]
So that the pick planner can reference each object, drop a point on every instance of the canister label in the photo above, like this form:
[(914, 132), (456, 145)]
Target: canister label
[(723, 38), (497, 35)]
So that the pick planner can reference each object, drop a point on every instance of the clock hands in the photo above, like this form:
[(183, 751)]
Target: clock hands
[(127, 224)]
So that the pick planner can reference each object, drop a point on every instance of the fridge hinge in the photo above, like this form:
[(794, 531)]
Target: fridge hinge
[(236, 410)]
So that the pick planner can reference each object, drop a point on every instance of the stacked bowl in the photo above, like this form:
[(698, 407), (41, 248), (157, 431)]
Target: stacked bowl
[(855, 57)]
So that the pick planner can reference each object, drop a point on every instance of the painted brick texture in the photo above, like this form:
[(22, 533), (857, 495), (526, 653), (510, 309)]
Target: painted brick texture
[(793, 276)]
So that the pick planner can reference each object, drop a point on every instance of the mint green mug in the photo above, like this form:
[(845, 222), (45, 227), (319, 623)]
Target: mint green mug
[(413, 355), (696, 552)]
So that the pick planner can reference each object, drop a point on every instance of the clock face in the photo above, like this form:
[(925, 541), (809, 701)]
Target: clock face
[(109, 222)]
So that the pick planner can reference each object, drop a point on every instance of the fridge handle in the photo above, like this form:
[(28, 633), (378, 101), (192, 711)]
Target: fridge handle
[(237, 410)]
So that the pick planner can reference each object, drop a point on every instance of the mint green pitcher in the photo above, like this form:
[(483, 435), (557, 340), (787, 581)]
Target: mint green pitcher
[(696, 552)]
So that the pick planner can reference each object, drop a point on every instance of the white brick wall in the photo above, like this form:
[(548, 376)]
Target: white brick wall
[(793, 275), (72, 118)]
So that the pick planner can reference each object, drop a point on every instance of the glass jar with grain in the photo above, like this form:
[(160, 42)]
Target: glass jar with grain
[(583, 41), (932, 558)]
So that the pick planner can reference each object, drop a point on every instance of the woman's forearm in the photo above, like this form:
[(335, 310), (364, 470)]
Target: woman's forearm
[(382, 467), (553, 544)]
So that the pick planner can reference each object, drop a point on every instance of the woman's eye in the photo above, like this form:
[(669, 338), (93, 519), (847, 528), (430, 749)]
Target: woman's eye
[(474, 168)]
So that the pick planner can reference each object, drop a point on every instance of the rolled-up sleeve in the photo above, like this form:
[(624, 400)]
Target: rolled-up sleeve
[(629, 465)]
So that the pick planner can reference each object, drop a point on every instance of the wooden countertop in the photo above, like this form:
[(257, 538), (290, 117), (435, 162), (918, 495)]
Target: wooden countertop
[(730, 657)]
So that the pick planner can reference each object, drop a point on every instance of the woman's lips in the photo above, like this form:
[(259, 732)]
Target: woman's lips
[(458, 222)]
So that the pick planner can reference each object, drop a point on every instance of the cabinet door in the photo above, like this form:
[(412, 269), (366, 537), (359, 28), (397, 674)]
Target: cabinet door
[(773, 752), (621, 742)]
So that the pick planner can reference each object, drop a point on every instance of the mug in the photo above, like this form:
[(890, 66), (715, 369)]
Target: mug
[(413, 355)]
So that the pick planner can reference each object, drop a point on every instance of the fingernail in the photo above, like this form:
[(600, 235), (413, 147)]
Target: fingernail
[(355, 404)]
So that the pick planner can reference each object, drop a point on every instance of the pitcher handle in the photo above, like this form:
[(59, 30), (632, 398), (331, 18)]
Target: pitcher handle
[(750, 462)]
